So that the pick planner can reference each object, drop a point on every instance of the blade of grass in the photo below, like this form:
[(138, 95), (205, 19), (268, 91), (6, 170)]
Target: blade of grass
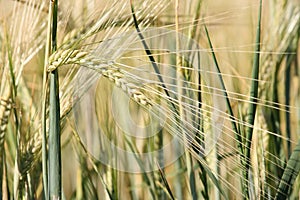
[(54, 120), (203, 178), (162, 174), (291, 171), (232, 118), (290, 59), (253, 102), (200, 136)]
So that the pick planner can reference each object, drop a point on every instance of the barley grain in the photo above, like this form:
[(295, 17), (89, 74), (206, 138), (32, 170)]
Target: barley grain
[(116, 76)]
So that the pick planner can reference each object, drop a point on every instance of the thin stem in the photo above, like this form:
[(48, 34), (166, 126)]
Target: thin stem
[(253, 102), (287, 95), (13, 93), (44, 106), (54, 121)]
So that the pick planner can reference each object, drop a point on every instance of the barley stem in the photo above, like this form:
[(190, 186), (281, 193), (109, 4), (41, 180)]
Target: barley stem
[(253, 103), (54, 120)]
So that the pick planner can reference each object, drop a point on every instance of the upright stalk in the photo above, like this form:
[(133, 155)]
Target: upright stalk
[(44, 106), (253, 104), (182, 77), (287, 95), (178, 183), (54, 120), (13, 92)]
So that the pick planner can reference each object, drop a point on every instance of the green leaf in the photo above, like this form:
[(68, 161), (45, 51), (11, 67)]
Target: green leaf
[(290, 173)]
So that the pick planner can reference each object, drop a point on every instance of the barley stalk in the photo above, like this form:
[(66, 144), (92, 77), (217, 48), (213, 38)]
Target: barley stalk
[(99, 44)]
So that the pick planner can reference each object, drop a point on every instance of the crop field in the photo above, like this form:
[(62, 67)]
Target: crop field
[(149, 99)]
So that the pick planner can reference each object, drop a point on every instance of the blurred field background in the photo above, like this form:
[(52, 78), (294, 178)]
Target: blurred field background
[(95, 106)]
